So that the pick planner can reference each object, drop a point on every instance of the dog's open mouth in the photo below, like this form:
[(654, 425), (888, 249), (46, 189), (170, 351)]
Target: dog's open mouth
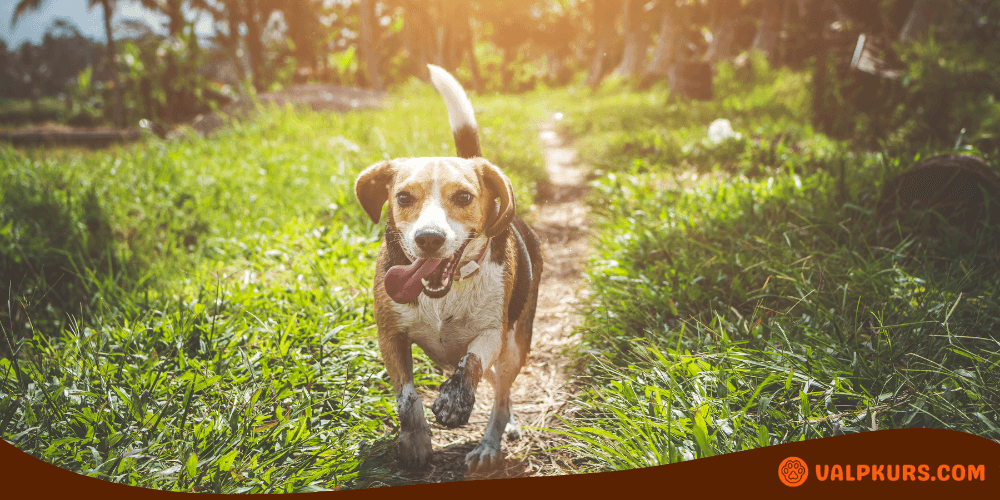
[(433, 277)]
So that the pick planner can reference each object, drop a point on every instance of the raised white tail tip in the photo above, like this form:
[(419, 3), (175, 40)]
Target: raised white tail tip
[(460, 112)]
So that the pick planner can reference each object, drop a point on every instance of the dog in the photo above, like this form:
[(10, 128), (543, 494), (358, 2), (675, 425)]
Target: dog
[(457, 274)]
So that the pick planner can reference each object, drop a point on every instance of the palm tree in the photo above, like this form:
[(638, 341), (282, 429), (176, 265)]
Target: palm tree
[(25, 6)]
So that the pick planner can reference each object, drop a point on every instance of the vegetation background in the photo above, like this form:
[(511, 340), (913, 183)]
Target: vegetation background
[(193, 312)]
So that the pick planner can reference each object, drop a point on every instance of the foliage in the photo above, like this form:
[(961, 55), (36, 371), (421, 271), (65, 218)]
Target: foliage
[(950, 94), (162, 81), (84, 103), (619, 129), (50, 65), (56, 251), (239, 356), (945, 92), (743, 298)]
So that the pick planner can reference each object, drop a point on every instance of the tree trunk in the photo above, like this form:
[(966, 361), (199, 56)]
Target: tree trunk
[(724, 17), (113, 64), (173, 106), (786, 21), (507, 62), (477, 79), (918, 23), (369, 43), (635, 46), (468, 45), (605, 15), (665, 52), (823, 116), (233, 43), (451, 47), (417, 26), (255, 46), (896, 18), (305, 33), (865, 14), (767, 32)]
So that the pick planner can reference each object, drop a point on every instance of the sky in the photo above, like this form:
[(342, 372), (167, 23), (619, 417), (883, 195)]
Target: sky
[(32, 26)]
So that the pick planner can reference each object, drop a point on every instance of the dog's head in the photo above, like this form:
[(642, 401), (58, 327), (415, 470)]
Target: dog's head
[(438, 208)]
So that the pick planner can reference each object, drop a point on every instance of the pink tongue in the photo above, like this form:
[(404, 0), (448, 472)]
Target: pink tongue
[(402, 283)]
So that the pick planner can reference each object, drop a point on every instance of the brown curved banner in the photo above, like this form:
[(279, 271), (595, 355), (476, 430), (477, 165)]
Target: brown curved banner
[(903, 461)]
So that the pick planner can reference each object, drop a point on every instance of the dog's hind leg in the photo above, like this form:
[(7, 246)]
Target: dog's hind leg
[(486, 454), (512, 430), (413, 449)]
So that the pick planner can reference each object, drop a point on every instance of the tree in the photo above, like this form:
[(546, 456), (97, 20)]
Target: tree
[(667, 43), (725, 14), (229, 14), (369, 42), (25, 6), (250, 16), (769, 30), (922, 16), (635, 39), (7, 78), (514, 23), (172, 9), (306, 33), (29, 66), (605, 14)]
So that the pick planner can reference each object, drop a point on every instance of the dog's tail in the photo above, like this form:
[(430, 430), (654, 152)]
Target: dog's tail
[(460, 113)]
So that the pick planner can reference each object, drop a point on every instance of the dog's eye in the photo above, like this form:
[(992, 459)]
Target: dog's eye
[(405, 199), (462, 198)]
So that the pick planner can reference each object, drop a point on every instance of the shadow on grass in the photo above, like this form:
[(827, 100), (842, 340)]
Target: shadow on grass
[(446, 465)]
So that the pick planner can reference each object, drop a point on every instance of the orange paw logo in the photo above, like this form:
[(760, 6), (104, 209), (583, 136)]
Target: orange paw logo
[(793, 471)]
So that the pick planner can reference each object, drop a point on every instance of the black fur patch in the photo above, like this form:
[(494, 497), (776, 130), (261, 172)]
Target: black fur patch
[(531, 243), (525, 286), (467, 142), (529, 258), (498, 247)]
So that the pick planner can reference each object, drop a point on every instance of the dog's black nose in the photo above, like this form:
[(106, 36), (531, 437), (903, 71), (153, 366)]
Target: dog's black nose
[(429, 240)]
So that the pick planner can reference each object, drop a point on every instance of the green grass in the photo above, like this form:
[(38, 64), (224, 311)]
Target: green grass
[(215, 332), (20, 110), (742, 297), (618, 129), (195, 315)]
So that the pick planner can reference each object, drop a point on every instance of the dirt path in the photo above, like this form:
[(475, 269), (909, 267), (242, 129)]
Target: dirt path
[(542, 389)]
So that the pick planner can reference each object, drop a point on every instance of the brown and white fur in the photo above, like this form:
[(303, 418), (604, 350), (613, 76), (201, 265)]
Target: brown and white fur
[(482, 324)]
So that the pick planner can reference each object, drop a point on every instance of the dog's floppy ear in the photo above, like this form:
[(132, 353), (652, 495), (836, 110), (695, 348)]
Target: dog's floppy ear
[(499, 186), (372, 188)]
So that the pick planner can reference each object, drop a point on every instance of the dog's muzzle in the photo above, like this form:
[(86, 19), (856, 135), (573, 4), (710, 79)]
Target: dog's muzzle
[(432, 277)]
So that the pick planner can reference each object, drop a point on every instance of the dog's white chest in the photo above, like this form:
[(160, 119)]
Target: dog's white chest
[(444, 327)]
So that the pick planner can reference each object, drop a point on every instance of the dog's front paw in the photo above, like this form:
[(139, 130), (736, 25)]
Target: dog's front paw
[(413, 450), (458, 394), (484, 457), (454, 405)]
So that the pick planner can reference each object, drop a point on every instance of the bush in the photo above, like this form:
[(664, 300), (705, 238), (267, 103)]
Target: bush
[(55, 252), (946, 95)]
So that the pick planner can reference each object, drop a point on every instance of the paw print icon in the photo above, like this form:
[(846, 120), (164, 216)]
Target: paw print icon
[(793, 471)]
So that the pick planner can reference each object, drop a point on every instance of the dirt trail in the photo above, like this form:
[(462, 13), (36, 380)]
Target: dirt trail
[(542, 389)]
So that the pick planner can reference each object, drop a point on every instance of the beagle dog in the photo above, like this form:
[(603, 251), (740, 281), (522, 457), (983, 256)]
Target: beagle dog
[(457, 274)]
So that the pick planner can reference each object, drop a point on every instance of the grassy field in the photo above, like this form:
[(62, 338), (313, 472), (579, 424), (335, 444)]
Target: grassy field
[(196, 315), (20, 111), (743, 296)]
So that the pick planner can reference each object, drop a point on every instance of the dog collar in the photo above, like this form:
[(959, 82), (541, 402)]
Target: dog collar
[(472, 267)]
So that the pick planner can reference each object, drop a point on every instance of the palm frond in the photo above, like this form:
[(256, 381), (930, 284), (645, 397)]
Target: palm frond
[(22, 8)]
